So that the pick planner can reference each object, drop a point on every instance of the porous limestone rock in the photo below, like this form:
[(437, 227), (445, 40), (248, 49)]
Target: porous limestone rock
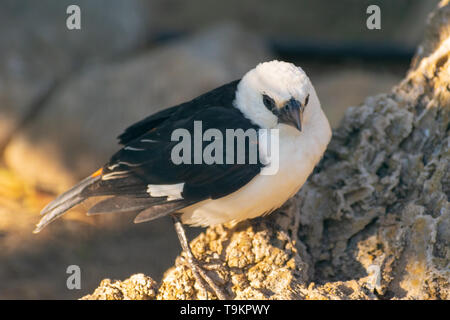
[(137, 287)]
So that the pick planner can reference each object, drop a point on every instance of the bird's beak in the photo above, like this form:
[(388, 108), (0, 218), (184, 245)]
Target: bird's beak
[(292, 114)]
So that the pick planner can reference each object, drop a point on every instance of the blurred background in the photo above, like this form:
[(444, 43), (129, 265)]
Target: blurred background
[(65, 95)]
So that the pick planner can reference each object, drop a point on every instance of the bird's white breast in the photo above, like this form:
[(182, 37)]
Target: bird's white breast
[(298, 154)]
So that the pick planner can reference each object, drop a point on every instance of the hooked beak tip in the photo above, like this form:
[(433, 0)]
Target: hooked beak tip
[(296, 114), (293, 114), (299, 121)]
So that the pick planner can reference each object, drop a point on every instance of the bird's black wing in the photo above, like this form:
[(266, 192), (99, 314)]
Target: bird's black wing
[(146, 160), (221, 96)]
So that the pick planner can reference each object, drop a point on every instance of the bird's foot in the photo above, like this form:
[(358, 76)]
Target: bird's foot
[(204, 280), (199, 274)]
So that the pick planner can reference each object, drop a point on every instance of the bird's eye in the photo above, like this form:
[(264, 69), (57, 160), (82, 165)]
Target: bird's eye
[(306, 101), (268, 102)]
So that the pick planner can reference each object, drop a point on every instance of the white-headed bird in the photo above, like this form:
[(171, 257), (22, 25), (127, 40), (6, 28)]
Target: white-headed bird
[(275, 97)]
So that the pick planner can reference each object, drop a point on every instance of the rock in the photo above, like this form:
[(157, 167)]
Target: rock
[(372, 222), (37, 49), (254, 260), (137, 287), (77, 128), (379, 199), (435, 35)]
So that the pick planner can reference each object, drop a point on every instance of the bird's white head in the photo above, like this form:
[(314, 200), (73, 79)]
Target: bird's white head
[(277, 92)]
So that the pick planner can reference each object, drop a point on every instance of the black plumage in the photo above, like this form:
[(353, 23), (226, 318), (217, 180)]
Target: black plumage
[(146, 159), (222, 96)]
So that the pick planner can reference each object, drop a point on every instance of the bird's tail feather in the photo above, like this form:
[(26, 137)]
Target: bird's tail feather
[(118, 204), (64, 202)]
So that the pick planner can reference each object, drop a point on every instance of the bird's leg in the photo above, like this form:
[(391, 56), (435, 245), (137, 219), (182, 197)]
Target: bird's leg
[(198, 272), (186, 248)]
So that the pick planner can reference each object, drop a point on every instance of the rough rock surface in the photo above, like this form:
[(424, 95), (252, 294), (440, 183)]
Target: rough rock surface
[(137, 287), (101, 101), (373, 220)]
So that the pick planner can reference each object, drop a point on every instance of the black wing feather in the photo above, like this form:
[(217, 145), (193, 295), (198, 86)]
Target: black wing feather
[(124, 204), (160, 210), (146, 159), (152, 164), (221, 96)]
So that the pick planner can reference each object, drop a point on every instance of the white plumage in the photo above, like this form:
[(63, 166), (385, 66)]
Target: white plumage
[(171, 191)]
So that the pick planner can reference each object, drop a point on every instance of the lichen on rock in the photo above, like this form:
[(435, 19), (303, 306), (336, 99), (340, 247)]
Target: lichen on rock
[(137, 287), (252, 260)]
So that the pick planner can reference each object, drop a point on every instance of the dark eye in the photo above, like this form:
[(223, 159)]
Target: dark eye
[(306, 101), (268, 102)]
